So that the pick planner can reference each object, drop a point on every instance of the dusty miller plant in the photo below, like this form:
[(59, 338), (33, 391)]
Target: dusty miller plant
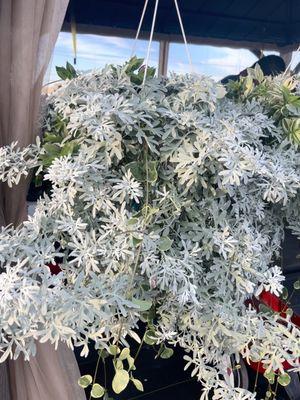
[(170, 199)]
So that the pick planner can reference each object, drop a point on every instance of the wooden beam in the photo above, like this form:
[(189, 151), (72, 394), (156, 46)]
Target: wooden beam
[(129, 33), (164, 46)]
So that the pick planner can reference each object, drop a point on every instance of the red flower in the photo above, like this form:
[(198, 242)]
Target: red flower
[(54, 268)]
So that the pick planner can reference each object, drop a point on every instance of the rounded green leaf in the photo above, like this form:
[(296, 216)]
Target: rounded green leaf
[(166, 353), (138, 384), (113, 350), (97, 391), (297, 285), (150, 338), (136, 241), (270, 376), (289, 312), (130, 361), (284, 379), (120, 381), (85, 380), (143, 305), (285, 293), (103, 353), (133, 221), (125, 353), (165, 243)]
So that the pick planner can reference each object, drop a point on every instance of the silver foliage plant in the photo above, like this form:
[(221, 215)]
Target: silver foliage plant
[(168, 195)]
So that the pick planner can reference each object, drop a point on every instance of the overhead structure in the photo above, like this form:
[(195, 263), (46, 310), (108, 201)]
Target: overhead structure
[(255, 24), (252, 24)]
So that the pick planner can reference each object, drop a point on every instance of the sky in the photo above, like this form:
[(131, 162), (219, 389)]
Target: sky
[(96, 51)]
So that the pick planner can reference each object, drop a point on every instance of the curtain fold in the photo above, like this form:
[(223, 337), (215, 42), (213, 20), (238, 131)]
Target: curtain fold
[(28, 32)]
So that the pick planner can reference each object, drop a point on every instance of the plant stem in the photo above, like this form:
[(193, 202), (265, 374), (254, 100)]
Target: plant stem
[(162, 388), (140, 347), (275, 391), (96, 372), (145, 217), (256, 377), (104, 367)]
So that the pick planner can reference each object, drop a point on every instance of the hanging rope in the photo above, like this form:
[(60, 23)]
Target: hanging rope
[(183, 35), (150, 41), (152, 32), (139, 28)]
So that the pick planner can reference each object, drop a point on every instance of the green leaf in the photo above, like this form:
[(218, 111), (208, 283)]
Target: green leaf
[(138, 384), (265, 309), (119, 364), (141, 174), (284, 379), (285, 293), (62, 73), (38, 180), (133, 64), (113, 350), (66, 73), (248, 85), (103, 354), (270, 376), (152, 172), (120, 381), (125, 353), (130, 361), (67, 149), (52, 149), (165, 243), (133, 221), (150, 338), (291, 126), (166, 353), (97, 391), (136, 241), (71, 70), (297, 285), (51, 138), (136, 79), (289, 312), (143, 305), (138, 171), (85, 381)]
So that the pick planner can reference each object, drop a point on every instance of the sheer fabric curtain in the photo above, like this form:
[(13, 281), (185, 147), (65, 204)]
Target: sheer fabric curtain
[(28, 32)]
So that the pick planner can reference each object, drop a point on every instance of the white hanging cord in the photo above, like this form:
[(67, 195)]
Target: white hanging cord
[(139, 28), (150, 41), (183, 35)]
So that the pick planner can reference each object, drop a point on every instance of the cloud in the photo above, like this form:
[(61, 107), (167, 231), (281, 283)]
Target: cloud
[(223, 62), (120, 43), (95, 51), (232, 60)]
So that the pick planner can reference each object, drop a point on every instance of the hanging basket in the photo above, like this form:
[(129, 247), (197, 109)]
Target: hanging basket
[(168, 205)]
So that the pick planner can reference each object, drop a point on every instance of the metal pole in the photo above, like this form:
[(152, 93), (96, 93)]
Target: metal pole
[(163, 57)]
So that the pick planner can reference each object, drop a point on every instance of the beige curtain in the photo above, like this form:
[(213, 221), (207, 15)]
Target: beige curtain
[(28, 32)]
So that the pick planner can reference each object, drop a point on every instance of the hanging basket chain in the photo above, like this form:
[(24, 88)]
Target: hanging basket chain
[(150, 41), (152, 32)]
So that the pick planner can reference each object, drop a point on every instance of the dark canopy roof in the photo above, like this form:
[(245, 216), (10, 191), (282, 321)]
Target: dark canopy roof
[(264, 24)]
